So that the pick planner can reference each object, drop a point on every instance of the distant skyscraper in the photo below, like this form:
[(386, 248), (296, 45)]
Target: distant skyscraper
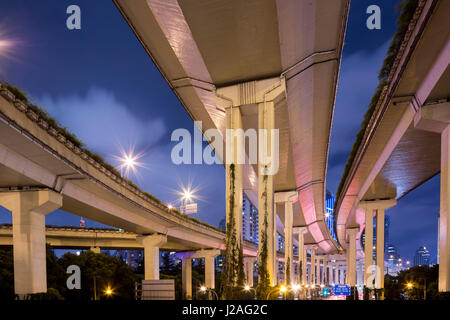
[(249, 221), (422, 257), (280, 242), (329, 213), (394, 260), (387, 223)]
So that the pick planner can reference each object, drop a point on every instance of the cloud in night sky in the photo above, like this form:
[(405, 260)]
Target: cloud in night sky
[(103, 122)]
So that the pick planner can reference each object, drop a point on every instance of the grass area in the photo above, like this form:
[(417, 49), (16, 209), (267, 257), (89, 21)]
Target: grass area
[(71, 137)]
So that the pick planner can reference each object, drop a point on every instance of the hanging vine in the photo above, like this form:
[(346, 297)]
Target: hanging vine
[(233, 275), (288, 271), (264, 279)]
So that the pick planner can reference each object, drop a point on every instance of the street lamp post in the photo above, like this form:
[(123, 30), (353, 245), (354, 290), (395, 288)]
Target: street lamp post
[(209, 290), (247, 288)]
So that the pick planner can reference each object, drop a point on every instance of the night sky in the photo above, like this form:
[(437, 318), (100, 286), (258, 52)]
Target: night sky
[(101, 84)]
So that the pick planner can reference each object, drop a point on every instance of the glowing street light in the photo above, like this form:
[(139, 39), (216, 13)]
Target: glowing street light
[(109, 291), (187, 195), (247, 288), (129, 161), (296, 287), (409, 285), (204, 289)]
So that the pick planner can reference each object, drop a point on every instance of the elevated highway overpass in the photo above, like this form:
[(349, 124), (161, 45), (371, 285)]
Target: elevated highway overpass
[(261, 64), (234, 65), (406, 142)]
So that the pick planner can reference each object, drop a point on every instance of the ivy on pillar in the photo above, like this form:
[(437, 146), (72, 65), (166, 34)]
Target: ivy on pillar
[(29, 209)]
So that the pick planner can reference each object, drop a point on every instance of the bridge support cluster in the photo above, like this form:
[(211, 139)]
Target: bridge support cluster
[(235, 99), (373, 273), (186, 269)]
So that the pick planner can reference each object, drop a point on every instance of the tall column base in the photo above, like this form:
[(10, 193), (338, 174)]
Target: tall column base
[(151, 245), (29, 209)]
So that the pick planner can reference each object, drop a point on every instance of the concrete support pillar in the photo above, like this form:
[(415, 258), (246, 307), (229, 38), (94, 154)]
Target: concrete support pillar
[(151, 245), (210, 270), (318, 273), (288, 250), (248, 268), (325, 271), (235, 158), (360, 273), (313, 265), (95, 249), (304, 267), (264, 93), (351, 256), (186, 277), (436, 118), (29, 209), (336, 273), (379, 281), (339, 274), (368, 246), (267, 219), (444, 214), (369, 207), (300, 231), (287, 199)]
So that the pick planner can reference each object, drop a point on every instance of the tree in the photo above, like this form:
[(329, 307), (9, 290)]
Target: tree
[(105, 271), (263, 287), (6, 274), (167, 264)]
